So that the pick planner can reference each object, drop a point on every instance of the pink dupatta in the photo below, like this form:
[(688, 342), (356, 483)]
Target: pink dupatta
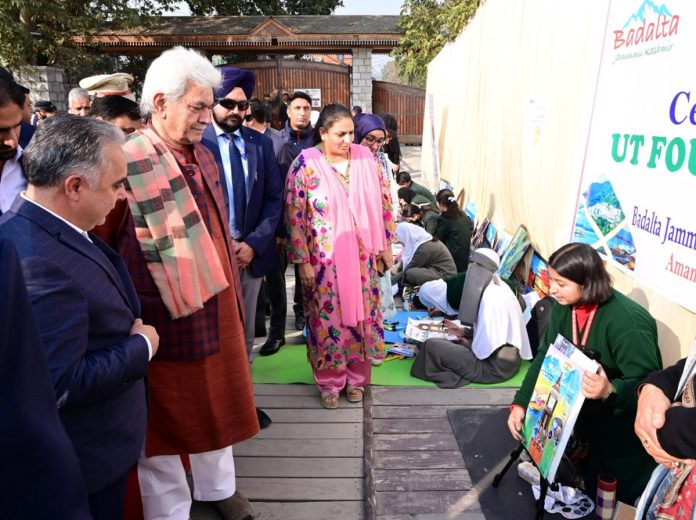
[(353, 213)]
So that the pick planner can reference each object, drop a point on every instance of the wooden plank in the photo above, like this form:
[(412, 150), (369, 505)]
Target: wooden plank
[(370, 505), (265, 389), (312, 431), (417, 503), (417, 459), (473, 515), (300, 489), (320, 415), (432, 425), (411, 412), (308, 510), (441, 397), (270, 402), (298, 467), (299, 448), (422, 480), (416, 441)]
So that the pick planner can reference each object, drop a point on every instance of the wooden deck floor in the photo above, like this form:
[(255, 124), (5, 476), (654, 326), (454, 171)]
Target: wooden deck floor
[(394, 457)]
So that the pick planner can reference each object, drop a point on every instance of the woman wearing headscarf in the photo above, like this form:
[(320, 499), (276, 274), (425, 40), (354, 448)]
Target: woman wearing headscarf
[(371, 133), (423, 258)]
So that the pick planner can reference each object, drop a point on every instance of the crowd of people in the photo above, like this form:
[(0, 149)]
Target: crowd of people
[(137, 242)]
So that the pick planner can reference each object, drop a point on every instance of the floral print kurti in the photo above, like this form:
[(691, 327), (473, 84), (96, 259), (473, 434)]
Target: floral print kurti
[(330, 343)]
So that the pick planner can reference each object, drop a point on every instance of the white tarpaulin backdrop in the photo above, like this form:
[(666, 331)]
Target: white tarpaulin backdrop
[(525, 104)]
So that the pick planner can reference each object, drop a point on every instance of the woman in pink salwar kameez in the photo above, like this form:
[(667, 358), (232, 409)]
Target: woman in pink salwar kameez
[(340, 227)]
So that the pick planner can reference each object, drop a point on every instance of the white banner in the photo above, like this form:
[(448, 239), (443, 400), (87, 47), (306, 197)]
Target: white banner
[(636, 201)]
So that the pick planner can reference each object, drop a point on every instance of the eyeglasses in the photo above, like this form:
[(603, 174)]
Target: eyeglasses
[(197, 109), (231, 104), (372, 140)]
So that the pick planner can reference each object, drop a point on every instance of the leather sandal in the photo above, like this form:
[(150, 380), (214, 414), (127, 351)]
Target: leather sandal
[(329, 400), (354, 394)]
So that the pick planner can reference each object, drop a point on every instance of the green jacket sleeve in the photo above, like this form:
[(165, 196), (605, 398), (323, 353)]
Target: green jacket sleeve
[(524, 394), (635, 353)]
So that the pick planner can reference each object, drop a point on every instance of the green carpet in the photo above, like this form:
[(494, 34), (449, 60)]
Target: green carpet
[(290, 365)]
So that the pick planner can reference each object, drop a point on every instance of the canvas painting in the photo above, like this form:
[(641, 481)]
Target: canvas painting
[(479, 234), (555, 405), (538, 278), (513, 254)]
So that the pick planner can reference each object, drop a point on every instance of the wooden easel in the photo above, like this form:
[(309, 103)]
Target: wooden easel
[(543, 483)]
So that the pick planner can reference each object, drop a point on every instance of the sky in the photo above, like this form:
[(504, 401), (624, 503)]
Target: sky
[(349, 7), (370, 7)]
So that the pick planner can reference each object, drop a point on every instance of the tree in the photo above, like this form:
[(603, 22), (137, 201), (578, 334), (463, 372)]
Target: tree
[(262, 7), (39, 32), (427, 26)]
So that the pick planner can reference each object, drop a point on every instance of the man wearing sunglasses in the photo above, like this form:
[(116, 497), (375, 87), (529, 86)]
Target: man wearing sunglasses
[(251, 186)]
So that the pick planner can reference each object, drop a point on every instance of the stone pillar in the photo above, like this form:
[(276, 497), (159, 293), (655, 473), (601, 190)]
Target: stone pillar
[(361, 79), (45, 83)]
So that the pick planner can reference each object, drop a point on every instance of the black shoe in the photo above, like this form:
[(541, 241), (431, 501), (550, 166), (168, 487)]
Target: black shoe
[(264, 420), (271, 346), (260, 331), (300, 322), (236, 507)]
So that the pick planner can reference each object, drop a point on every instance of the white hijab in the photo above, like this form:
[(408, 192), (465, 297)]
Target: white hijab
[(411, 236)]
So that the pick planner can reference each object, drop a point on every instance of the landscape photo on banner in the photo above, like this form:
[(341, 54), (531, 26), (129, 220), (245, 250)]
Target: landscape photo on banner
[(635, 203)]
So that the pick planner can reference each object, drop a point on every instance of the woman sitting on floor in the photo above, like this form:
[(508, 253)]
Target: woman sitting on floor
[(499, 341), (423, 258), (453, 228), (423, 216), (622, 335), (442, 297)]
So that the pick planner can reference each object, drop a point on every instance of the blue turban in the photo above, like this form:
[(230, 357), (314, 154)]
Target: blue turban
[(366, 124), (233, 77)]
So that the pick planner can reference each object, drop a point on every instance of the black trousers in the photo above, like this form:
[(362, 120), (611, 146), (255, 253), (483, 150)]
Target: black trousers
[(277, 296), (109, 503)]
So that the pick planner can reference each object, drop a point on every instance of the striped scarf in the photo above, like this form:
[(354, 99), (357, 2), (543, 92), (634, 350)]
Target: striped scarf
[(177, 247)]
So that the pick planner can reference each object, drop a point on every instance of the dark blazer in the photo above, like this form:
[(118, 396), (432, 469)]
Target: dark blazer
[(26, 132), (85, 304), (41, 477), (264, 206)]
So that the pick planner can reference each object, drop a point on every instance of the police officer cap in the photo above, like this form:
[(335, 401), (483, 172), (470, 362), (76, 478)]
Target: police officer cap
[(117, 84)]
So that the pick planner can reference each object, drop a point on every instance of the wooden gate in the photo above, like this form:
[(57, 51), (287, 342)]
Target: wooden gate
[(333, 80), (405, 103)]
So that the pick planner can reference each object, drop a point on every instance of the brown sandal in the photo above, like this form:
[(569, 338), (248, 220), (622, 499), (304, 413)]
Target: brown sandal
[(329, 400), (354, 394)]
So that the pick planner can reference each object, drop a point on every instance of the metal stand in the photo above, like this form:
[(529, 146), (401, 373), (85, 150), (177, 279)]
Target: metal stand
[(543, 483)]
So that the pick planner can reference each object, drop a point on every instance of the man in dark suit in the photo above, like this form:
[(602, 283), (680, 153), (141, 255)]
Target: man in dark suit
[(83, 299), (41, 477), (251, 185)]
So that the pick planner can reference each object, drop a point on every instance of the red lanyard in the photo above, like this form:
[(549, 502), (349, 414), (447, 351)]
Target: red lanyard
[(586, 332)]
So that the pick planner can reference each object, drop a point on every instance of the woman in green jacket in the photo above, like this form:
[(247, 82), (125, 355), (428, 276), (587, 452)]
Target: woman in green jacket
[(623, 338), (453, 228)]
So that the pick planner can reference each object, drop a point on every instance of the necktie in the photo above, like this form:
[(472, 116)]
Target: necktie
[(238, 185)]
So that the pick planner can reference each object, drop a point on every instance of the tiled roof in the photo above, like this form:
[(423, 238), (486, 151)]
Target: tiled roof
[(245, 25)]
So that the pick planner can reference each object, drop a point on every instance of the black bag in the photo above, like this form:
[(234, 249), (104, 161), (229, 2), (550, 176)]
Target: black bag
[(536, 327)]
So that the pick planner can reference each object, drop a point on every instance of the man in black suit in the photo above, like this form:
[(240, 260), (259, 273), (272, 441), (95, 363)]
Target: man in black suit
[(83, 299), (40, 475)]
